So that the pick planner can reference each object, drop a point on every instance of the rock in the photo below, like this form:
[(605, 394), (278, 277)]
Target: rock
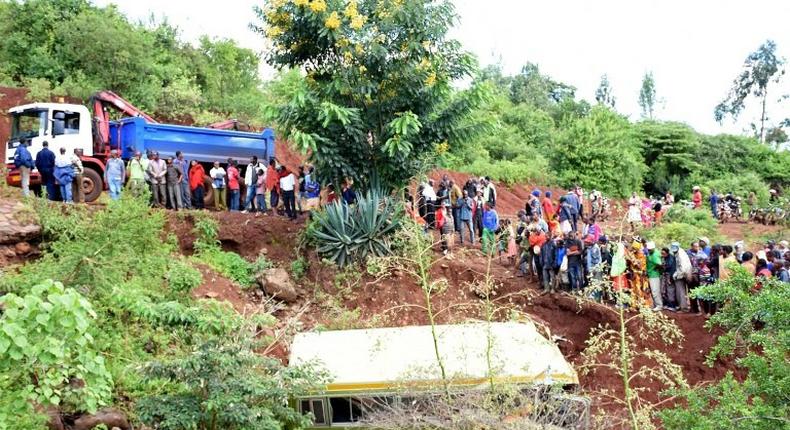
[(211, 295), (12, 230), (55, 421), (22, 248), (277, 283), (263, 251), (9, 251), (111, 418)]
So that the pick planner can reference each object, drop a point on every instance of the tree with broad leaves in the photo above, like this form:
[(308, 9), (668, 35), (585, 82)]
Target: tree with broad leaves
[(603, 95), (760, 69), (378, 101), (647, 96)]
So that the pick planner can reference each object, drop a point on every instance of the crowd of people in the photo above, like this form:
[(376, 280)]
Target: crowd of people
[(174, 183), (561, 245)]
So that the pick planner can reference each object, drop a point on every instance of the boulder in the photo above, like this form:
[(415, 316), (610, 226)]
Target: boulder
[(22, 248), (111, 418), (277, 283), (16, 224)]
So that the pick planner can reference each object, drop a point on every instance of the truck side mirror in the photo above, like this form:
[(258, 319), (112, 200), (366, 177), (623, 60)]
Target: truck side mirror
[(59, 124)]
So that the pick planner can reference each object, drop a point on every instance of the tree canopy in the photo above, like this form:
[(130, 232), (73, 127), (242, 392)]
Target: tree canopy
[(378, 98)]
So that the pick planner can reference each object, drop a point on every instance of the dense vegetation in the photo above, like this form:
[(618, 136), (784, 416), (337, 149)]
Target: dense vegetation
[(70, 47), (106, 317)]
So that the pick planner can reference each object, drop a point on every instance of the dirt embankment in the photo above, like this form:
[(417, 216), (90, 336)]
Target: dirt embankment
[(397, 300)]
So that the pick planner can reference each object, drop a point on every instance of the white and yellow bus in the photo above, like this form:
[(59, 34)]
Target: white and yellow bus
[(371, 367)]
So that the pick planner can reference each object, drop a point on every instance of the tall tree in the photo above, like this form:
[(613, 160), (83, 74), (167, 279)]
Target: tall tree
[(760, 69), (647, 96), (378, 100), (603, 95)]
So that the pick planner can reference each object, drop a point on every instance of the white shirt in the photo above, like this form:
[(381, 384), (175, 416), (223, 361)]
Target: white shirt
[(63, 160), (287, 182), (429, 193)]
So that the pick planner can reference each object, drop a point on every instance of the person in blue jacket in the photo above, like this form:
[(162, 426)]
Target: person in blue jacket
[(64, 174), (24, 162), (45, 164), (548, 259)]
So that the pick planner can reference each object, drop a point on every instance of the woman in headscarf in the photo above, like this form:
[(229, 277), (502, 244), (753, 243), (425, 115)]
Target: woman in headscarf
[(637, 265)]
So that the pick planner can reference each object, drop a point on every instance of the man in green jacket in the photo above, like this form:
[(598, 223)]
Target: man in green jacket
[(654, 275)]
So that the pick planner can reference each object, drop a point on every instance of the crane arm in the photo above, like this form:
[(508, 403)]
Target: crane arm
[(101, 102)]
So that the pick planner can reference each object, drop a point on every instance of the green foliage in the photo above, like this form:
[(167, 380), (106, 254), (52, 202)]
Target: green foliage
[(669, 149), (261, 264), (684, 226), (647, 96), (299, 268), (378, 98), (741, 186), (182, 277), (229, 264), (74, 48), (226, 386), (603, 94), (524, 168), (758, 328), (348, 234), (600, 152), (46, 345)]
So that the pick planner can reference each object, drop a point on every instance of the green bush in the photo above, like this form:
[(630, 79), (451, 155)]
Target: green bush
[(299, 268), (699, 218), (347, 234), (740, 185), (229, 264), (183, 277), (532, 168)]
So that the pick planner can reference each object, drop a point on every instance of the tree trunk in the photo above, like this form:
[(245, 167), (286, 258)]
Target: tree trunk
[(762, 118)]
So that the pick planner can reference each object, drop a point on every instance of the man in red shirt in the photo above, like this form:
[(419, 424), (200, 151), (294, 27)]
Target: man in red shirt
[(233, 184), (273, 184), (548, 207), (697, 198)]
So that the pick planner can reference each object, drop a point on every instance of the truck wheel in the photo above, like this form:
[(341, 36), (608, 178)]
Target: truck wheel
[(92, 184), (208, 193)]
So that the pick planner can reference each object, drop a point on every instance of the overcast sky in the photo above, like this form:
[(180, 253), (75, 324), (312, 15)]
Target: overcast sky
[(694, 48)]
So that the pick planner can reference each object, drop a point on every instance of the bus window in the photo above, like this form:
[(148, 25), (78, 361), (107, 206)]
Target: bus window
[(341, 409), (316, 407)]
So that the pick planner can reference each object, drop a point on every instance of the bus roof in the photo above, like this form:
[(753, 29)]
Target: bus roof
[(382, 359)]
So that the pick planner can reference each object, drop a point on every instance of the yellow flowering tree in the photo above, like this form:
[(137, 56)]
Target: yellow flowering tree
[(378, 101)]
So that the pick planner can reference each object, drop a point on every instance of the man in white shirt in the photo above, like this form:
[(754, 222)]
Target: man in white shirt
[(429, 194), (287, 184), (251, 181), (217, 174)]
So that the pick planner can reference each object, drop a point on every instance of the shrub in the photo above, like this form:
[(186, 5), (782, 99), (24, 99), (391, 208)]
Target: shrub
[(46, 343), (229, 264), (347, 234), (532, 168), (182, 277), (702, 219), (299, 268), (261, 264), (740, 185)]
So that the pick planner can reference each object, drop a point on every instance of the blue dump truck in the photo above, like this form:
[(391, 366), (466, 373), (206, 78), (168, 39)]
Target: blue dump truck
[(73, 127)]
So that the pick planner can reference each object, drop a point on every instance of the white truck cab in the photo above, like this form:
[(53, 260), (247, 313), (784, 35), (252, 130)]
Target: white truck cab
[(61, 125)]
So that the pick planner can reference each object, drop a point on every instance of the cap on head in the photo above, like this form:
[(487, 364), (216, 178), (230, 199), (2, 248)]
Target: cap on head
[(650, 245), (674, 247), (783, 243), (603, 239), (695, 188), (704, 239), (536, 193), (548, 194), (113, 152)]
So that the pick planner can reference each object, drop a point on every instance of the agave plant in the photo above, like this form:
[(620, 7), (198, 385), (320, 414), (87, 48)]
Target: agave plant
[(353, 233)]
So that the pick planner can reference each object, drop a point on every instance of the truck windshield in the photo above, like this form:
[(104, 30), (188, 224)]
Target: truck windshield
[(27, 124)]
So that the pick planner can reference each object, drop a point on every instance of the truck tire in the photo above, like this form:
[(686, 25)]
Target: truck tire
[(92, 184), (208, 193)]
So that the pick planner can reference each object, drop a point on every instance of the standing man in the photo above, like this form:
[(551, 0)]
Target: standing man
[(312, 190), (45, 163), (547, 207), (287, 184), (429, 194), (681, 276), (64, 174), (455, 195), (217, 174), (76, 185), (534, 204), (24, 162), (157, 169), (574, 206), (114, 174), (186, 195), (136, 172), (490, 225), (489, 192), (233, 185), (251, 182), (696, 197), (714, 203), (173, 178), (654, 275), (273, 184), (574, 253), (464, 209), (197, 176)]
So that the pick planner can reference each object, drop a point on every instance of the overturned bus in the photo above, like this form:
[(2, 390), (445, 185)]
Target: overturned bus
[(371, 369)]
